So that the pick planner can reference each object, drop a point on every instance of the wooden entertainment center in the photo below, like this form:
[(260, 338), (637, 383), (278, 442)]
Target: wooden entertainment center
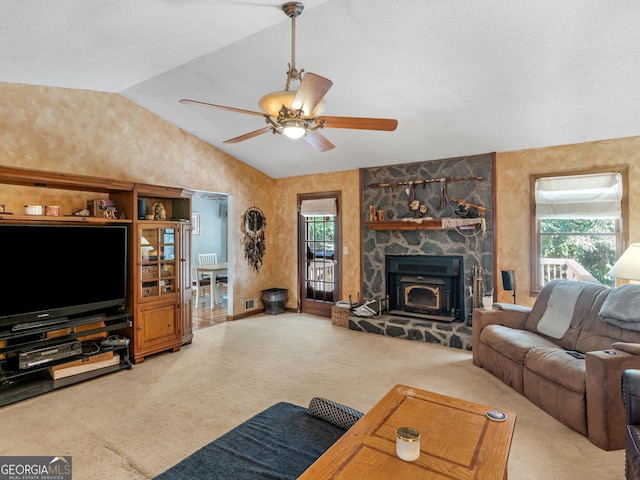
[(157, 315)]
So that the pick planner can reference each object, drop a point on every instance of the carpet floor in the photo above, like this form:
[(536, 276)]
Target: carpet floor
[(136, 424)]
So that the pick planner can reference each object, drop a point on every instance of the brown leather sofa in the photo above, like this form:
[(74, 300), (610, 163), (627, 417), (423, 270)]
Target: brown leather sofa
[(574, 378), (630, 383)]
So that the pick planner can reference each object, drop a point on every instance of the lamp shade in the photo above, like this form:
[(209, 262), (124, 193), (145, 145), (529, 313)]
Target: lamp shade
[(271, 103), (628, 265)]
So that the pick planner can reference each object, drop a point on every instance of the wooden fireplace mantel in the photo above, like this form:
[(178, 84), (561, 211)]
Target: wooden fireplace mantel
[(433, 224)]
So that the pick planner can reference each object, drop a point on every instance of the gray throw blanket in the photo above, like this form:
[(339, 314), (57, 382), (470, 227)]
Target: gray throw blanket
[(622, 307), (556, 319)]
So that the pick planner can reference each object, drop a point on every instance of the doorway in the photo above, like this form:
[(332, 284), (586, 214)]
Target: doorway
[(210, 236), (319, 249)]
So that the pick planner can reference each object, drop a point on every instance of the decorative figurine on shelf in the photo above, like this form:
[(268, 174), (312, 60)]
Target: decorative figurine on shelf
[(159, 213)]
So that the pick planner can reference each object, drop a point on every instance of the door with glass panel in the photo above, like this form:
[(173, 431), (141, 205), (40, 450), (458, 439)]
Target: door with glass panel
[(319, 252)]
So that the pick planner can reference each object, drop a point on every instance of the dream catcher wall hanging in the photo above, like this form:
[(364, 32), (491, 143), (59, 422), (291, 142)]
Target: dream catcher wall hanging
[(254, 226)]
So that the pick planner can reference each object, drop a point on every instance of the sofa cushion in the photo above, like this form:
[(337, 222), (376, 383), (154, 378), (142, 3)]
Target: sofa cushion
[(555, 382), (557, 366), (583, 308), (599, 335), (502, 350), (511, 343)]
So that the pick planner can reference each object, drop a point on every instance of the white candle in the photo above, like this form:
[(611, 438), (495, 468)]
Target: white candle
[(408, 444)]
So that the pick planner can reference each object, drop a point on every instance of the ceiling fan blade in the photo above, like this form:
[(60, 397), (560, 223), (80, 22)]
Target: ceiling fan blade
[(386, 124), (249, 135), (222, 107), (318, 141), (312, 90)]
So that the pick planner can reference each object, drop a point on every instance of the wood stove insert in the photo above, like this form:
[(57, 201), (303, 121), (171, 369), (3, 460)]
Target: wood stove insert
[(426, 286)]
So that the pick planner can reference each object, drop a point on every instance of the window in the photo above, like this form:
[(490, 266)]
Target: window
[(577, 226)]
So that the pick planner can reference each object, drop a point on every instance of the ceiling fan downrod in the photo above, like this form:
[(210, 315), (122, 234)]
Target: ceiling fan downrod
[(292, 10)]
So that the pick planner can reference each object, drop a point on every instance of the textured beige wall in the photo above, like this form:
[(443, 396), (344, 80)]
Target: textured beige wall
[(512, 197), (284, 238), (101, 134)]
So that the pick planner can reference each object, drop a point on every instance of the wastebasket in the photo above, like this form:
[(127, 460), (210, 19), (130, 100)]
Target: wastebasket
[(274, 300)]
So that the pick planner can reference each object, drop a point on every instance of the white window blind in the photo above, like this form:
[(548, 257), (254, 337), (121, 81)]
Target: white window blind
[(579, 196), (318, 207)]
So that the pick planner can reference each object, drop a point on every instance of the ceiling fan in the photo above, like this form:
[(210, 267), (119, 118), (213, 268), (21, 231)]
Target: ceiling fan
[(297, 114)]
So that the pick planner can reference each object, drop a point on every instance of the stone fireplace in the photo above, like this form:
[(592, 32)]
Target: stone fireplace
[(425, 286), (430, 303)]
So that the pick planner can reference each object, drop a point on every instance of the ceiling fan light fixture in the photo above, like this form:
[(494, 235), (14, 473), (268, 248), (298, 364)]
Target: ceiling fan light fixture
[(294, 129), (297, 114), (271, 103)]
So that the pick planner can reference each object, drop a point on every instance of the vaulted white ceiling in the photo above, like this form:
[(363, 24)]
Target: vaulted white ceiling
[(462, 77)]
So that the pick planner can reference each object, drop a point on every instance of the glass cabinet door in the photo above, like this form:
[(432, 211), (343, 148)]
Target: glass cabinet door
[(158, 261)]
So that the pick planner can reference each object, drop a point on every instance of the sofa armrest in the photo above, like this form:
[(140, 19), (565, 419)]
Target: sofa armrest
[(481, 318), (632, 348), (606, 418)]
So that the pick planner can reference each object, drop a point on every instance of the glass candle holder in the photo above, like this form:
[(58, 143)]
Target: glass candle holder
[(408, 444)]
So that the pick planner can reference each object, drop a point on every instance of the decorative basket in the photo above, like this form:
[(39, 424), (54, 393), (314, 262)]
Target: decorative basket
[(340, 316)]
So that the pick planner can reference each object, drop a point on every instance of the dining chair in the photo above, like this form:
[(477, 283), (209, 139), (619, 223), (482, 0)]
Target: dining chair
[(221, 287), (200, 284), (206, 258)]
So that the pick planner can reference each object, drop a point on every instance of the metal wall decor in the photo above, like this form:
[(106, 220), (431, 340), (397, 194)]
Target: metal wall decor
[(254, 226)]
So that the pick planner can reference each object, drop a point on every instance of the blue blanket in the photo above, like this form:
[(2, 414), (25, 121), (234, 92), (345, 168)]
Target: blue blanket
[(280, 442)]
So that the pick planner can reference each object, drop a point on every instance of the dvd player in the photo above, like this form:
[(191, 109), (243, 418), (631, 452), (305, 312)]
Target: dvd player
[(39, 356)]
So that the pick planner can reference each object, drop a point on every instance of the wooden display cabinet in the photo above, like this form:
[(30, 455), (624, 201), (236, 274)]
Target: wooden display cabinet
[(162, 273), (157, 322)]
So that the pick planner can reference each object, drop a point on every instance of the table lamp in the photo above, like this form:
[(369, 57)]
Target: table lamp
[(628, 265)]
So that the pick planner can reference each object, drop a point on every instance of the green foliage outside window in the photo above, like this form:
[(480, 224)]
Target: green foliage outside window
[(591, 243), (320, 230)]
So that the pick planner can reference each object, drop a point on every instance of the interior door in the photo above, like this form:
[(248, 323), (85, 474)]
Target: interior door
[(319, 253)]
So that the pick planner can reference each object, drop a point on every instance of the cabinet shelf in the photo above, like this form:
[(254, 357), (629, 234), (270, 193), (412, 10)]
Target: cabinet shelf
[(431, 224), (112, 322), (20, 383), (64, 218), (17, 389)]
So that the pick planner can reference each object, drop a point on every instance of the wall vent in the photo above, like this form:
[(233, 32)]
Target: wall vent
[(250, 303)]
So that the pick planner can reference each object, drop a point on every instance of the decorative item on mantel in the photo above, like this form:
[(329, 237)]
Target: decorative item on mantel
[(468, 215), (254, 226), (468, 210), (413, 183)]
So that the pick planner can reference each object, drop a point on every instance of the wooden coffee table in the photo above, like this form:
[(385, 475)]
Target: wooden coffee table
[(458, 441)]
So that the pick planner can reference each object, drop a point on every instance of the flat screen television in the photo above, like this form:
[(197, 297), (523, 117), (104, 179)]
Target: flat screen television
[(57, 271)]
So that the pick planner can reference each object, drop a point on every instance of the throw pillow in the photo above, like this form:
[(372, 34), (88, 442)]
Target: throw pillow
[(332, 412)]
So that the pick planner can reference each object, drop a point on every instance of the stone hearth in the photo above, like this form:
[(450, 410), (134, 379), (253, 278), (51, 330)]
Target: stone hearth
[(450, 334)]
